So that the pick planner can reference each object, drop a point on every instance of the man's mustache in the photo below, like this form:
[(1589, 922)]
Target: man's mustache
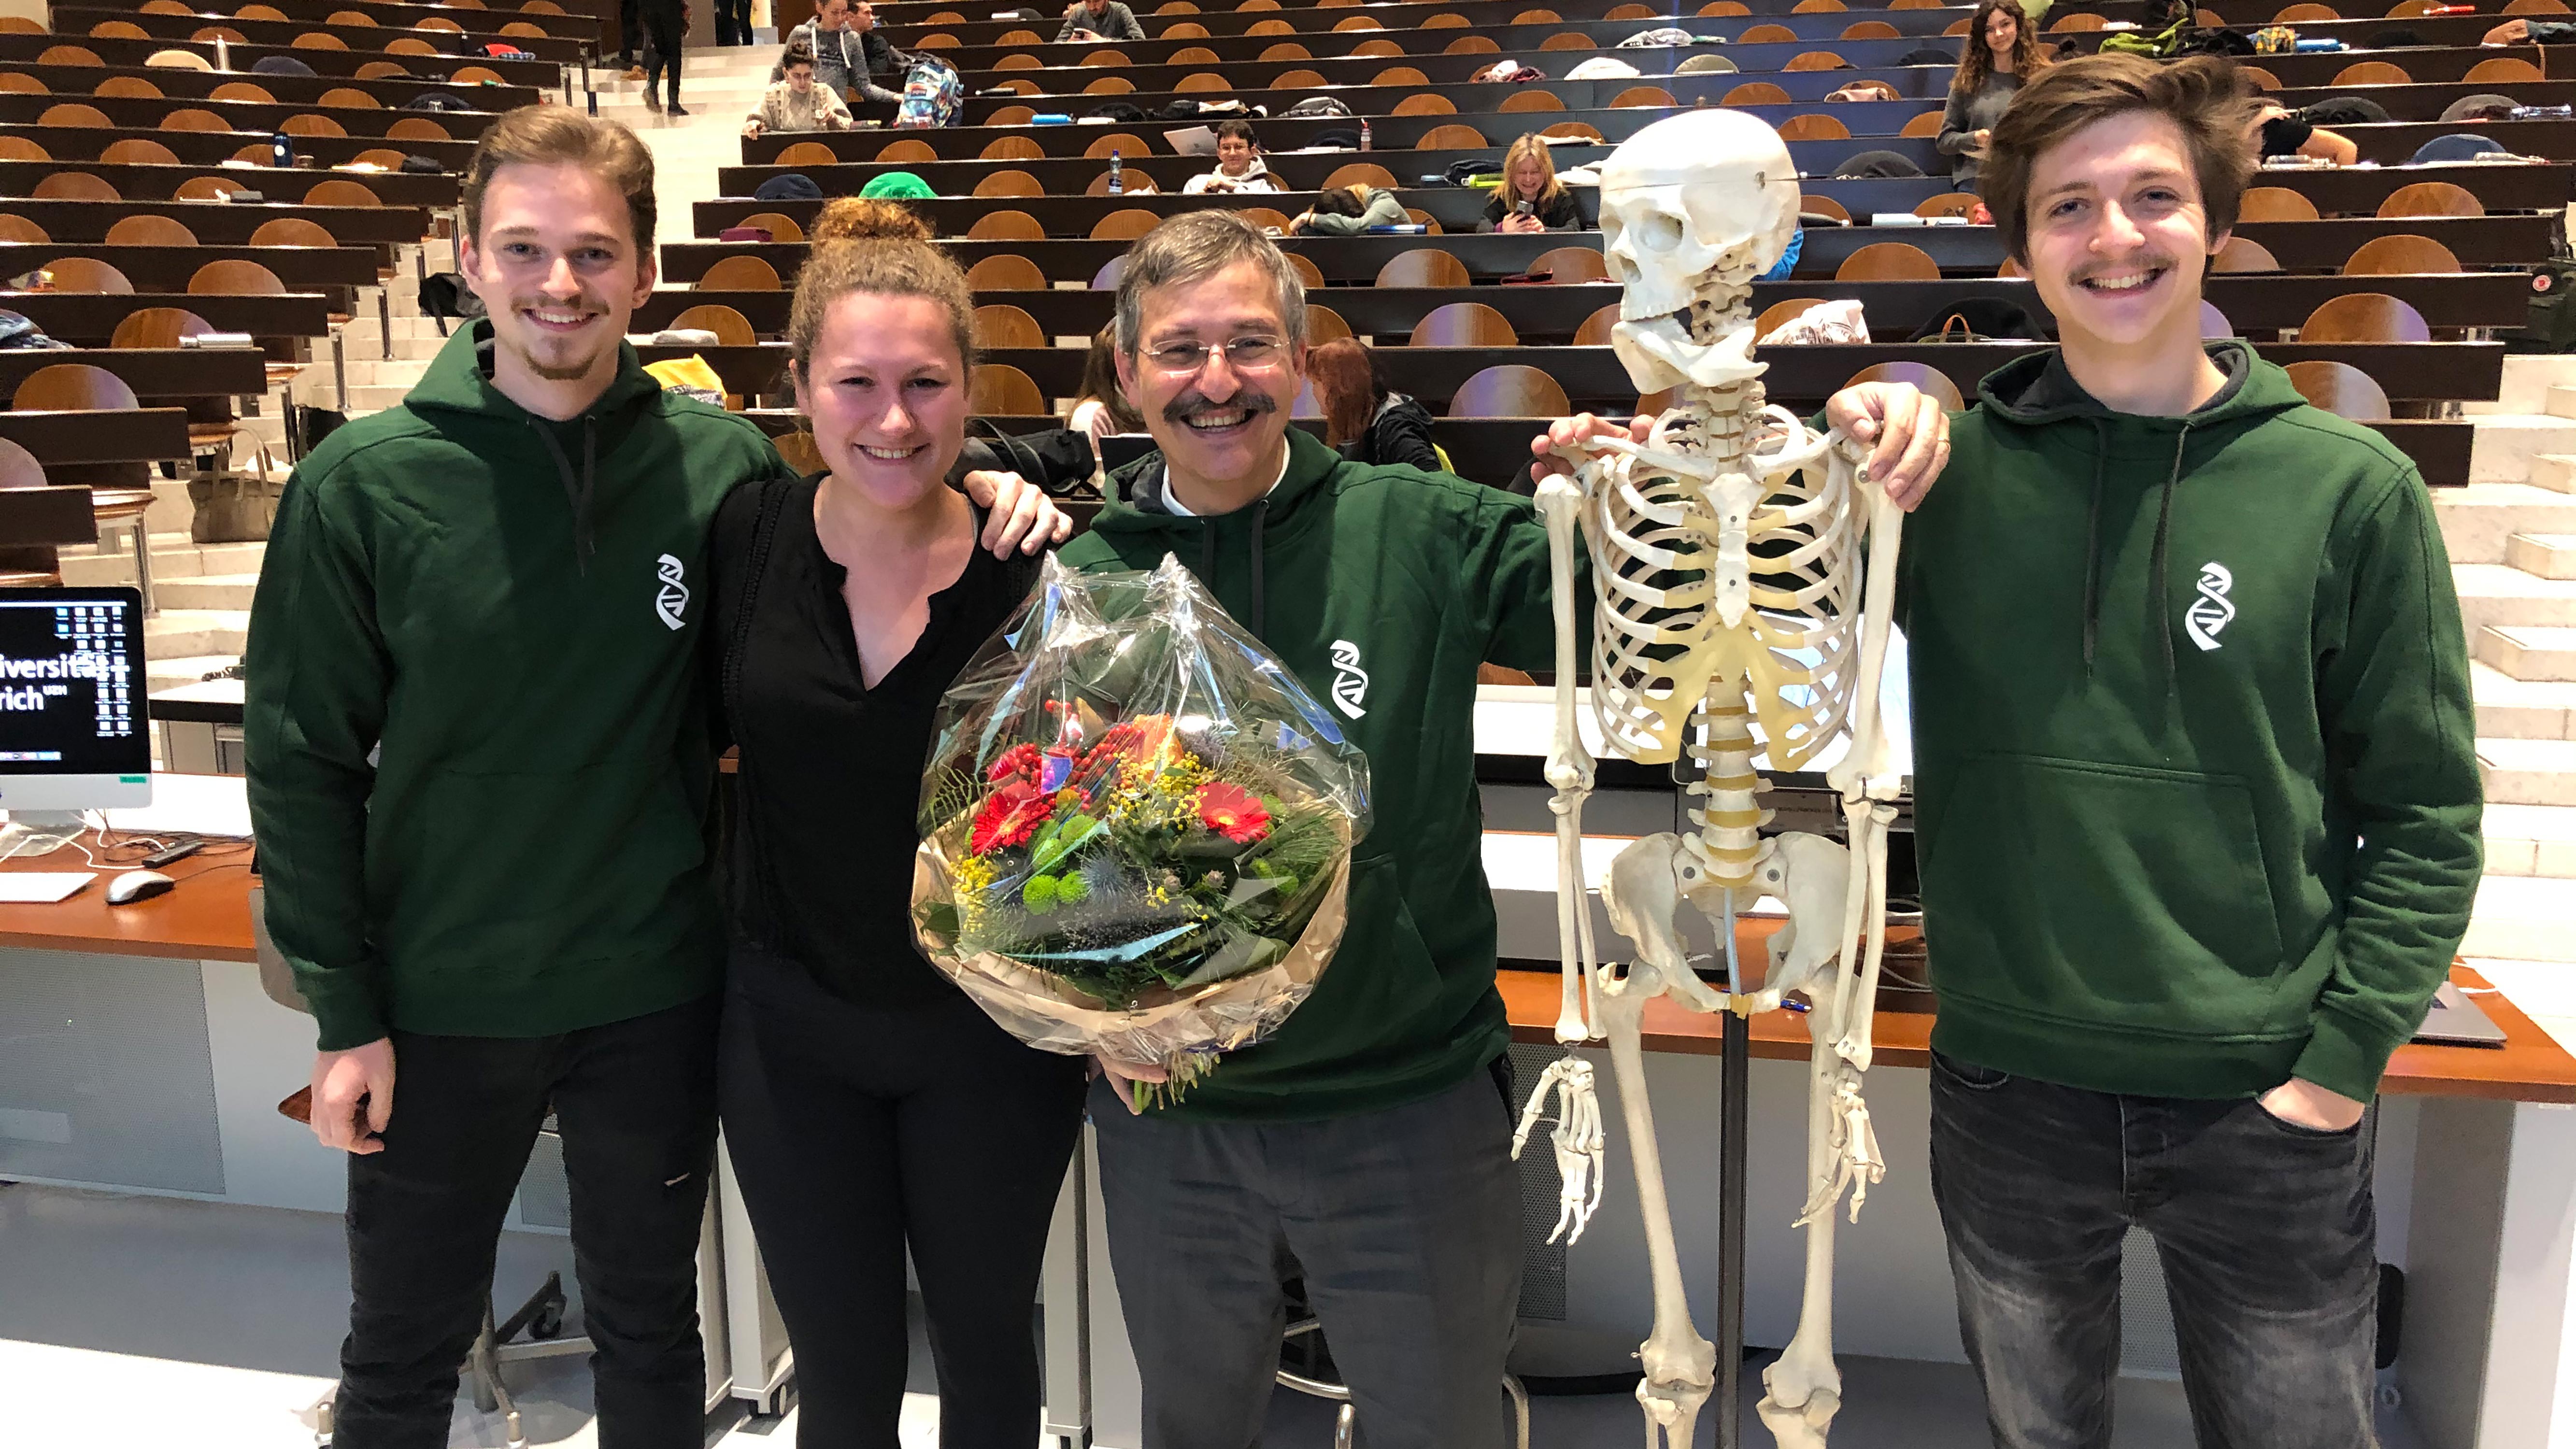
[(2142, 263), (1195, 401)]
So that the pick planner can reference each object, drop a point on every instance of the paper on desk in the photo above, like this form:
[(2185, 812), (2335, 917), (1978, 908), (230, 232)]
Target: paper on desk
[(189, 804), (1192, 141), (41, 887)]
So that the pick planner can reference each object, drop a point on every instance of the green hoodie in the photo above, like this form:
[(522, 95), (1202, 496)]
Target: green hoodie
[(478, 761), (2196, 798), (1381, 589)]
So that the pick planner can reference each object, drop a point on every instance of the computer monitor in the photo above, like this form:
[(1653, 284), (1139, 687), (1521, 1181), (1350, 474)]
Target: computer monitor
[(74, 728)]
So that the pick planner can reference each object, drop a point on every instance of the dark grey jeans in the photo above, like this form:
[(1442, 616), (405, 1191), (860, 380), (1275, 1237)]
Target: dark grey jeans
[(1406, 1224), (2266, 1232)]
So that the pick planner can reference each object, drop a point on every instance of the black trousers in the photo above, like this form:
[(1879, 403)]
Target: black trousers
[(856, 1132), (733, 22), (630, 31), (635, 1102), (664, 29)]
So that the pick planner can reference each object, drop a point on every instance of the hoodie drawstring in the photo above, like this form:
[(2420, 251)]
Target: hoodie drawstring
[(2093, 544), (577, 490), (2156, 567), (2164, 532)]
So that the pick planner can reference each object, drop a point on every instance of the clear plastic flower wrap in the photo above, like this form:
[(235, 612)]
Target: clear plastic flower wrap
[(1136, 826)]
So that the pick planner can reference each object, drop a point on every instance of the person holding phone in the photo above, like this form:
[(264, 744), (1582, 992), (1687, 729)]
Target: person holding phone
[(1531, 199)]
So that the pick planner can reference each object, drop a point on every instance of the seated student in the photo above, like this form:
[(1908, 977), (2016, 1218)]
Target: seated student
[(796, 103), (1531, 198), (1102, 408), (1348, 211), (1238, 164), (852, 58), (869, 218), (2279, 131), (1363, 419), (1100, 20)]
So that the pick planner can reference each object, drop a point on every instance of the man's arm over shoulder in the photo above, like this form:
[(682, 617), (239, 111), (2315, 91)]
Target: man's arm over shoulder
[(2393, 690), (317, 674)]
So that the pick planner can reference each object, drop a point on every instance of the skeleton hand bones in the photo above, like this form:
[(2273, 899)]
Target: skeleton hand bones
[(1582, 1149)]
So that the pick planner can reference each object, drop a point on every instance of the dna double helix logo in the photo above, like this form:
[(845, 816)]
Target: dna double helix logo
[(1350, 682), (671, 602), (2210, 612)]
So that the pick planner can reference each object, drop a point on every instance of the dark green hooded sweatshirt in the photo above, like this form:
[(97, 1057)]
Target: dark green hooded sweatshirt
[(2196, 797), (1381, 589), (479, 765)]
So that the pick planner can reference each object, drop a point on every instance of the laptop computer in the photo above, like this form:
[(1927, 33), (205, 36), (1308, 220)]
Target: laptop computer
[(2455, 1020)]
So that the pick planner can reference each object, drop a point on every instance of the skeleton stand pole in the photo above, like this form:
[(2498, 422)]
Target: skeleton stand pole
[(1736, 1040)]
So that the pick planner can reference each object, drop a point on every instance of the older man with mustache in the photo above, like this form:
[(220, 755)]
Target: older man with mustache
[(1369, 1138)]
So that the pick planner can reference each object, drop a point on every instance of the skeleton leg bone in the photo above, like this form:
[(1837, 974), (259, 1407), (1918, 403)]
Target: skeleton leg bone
[(1802, 1390), (1643, 896)]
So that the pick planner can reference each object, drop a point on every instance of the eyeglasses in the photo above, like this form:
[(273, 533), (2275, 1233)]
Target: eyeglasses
[(1244, 354)]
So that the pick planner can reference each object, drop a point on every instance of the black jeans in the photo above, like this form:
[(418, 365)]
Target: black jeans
[(2266, 1232), (733, 22), (856, 1132), (664, 30), (635, 1102)]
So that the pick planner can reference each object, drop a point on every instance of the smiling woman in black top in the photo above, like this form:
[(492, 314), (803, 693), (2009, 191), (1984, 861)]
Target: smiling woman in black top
[(868, 1104)]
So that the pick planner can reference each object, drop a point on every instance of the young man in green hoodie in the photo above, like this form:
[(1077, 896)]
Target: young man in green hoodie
[(1369, 1138), (2196, 799), (479, 773)]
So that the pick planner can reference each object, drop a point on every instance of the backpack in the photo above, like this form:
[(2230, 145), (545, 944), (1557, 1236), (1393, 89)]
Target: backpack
[(1980, 319), (932, 95), (2549, 323), (1317, 106)]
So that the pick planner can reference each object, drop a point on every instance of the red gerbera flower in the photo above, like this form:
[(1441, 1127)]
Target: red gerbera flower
[(1010, 816), (1233, 812)]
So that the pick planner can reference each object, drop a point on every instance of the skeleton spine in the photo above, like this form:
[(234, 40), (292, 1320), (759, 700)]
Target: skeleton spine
[(1729, 844)]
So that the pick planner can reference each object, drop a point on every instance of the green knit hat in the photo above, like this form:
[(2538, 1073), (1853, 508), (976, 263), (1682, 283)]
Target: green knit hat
[(898, 186)]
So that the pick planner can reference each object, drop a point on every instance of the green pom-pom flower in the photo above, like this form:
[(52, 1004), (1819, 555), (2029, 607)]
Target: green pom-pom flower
[(1042, 893), (1071, 890)]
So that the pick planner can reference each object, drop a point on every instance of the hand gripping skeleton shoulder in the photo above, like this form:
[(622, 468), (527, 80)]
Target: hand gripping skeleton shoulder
[(1744, 570)]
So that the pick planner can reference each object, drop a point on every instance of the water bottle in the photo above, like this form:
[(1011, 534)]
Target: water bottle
[(1364, 133), (223, 54), (1117, 174)]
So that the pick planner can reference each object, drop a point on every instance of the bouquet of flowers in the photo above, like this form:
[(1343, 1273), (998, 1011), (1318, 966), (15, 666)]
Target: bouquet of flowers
[(1136, 827)]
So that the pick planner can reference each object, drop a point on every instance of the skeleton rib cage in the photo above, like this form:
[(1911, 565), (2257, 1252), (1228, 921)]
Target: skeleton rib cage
[(1657, 623)]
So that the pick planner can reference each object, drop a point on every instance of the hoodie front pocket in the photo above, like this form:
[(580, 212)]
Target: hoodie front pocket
[(2124, 895)]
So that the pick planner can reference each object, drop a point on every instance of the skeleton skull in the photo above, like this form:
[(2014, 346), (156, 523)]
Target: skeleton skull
[(1693, 208)]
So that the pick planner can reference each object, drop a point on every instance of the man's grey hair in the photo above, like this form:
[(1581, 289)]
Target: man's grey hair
[(1192, 247)]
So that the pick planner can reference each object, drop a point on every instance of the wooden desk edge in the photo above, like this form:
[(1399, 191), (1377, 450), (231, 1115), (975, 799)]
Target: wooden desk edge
[(2530, 1067)]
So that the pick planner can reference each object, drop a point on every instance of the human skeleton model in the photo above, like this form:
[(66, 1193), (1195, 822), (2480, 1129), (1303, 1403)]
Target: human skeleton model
[(1726, 550)]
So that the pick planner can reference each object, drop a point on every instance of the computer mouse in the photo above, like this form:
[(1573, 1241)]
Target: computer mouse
[(138, 885)]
